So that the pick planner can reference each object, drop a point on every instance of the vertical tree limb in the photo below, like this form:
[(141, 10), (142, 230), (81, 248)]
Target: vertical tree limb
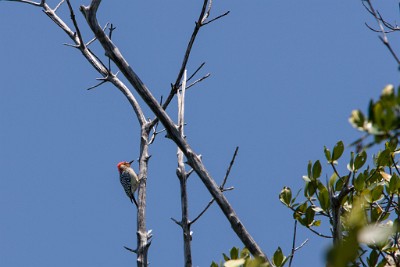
[(182, 176)]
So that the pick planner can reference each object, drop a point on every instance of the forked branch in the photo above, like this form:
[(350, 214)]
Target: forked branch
[(193, 159)]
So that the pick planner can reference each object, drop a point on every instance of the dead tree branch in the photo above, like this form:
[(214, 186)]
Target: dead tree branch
[(90, 14), (182, 176), (221, 187), (382, 24), (144, 239), (201, 21)]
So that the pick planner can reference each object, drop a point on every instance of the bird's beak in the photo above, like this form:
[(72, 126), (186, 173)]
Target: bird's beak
[(130, 162)]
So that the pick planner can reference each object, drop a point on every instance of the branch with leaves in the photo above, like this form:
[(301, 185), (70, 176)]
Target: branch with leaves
[(359, 206)]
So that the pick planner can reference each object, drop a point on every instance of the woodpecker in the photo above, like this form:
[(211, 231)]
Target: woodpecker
[(129, 179)]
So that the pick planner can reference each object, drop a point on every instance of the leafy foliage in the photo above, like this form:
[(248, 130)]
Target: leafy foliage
[(383, 119), (361, 206)]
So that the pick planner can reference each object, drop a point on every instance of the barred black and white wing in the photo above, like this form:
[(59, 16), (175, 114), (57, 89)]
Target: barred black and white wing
[(126, 182)]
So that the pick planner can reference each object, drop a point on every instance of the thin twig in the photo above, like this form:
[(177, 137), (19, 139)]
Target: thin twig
[(197, 70), (214, 19), (319, 234), (228, 171), (221, 187), (199, 80), (112, 28), (177, 222), (59, 4), (97, 85), (203, 211), (78, 32), (131, 250), (293, 243)]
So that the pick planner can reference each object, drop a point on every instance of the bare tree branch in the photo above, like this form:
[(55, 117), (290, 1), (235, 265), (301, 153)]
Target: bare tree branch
[(78, 32), (204, 13), (144, 239), (182, 176), (203, 211), (131, 250), (382, 24), (214, 19), (294, 248), (197, 70), (41, 4), (199, 80), (58, 6), (228, 171), (193, 159), (221, 187)]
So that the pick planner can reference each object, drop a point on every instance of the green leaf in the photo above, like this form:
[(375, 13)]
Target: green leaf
[(309, 189), (310, 213), (256, 262), (384, 158), (360, 160), (234, 253), (359, 182), (316, 170), (286, 196), (382, 263), (337, 151), (226, 258), (316, 223), (394, 184), (350, 165), (323, 198), (327, 154), (309, 168), (373, 258), (378, 115), (302, 208), (332, 180), (213, 264), (374, 214), (392, 144), (245, 253), (300, 211), (278, 257), (376, 193), (339, 184), (367, 195)]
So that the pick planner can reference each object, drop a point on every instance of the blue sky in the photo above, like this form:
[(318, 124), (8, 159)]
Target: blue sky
[(285, 76)]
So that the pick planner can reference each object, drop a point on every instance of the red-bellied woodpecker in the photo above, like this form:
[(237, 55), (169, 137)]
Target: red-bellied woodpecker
[(129, 179)]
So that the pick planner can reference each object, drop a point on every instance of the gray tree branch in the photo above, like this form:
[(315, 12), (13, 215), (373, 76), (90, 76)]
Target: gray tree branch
[(182, 176), (193, 159), (144, 239)]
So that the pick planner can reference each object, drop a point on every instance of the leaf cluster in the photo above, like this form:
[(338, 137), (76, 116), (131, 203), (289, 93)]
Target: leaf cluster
[(382, 120), (361, 206), (243, 258)]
